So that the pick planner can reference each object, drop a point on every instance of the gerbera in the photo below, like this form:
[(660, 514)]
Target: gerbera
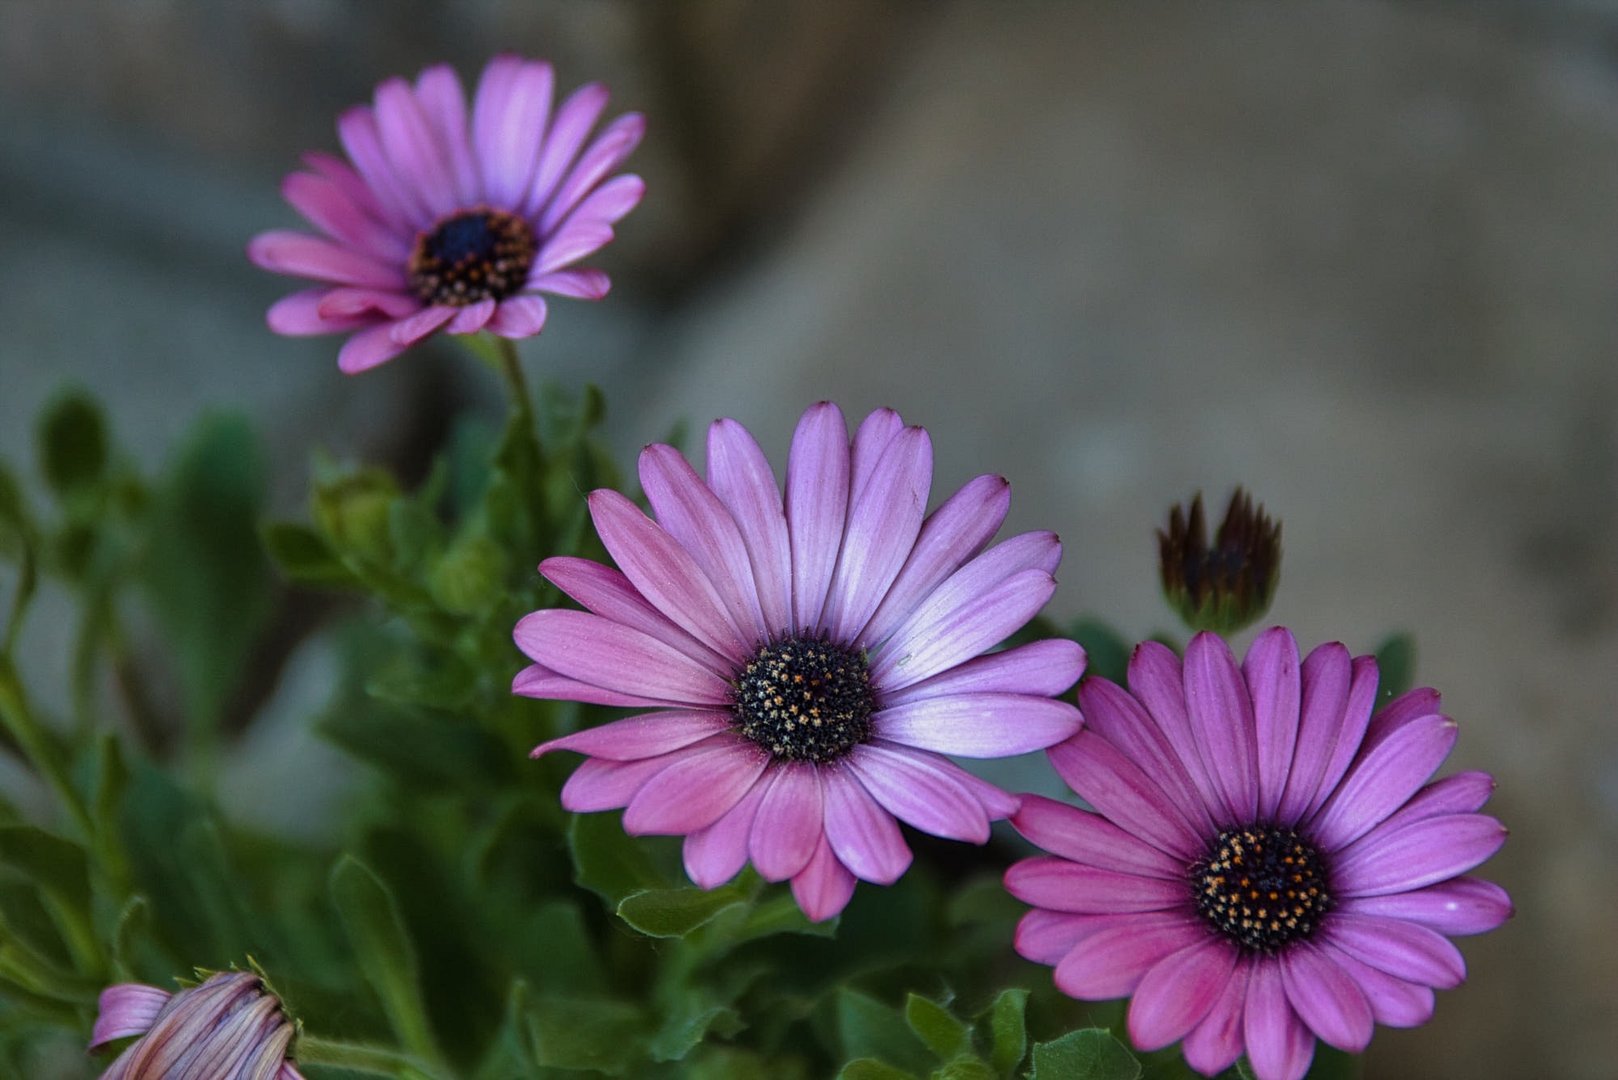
[(1267, 863), (449, 219), (806, 663), (228, 1028)]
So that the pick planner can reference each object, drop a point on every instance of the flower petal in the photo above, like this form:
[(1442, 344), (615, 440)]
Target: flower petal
[(1046, 936), (572, 242), (871, 439), (1119, 789), (823, 888), (665, 574), (1393, 1002), (1455, 908), (1178, 991), (692, 514), (368, 349), (884, 517), (509, 114), (518, 317), (1222, 722), (741, 476), (790, 821), (571, 126), (399, 204), (1216, 1042), (1157, 681), (443, 102), (298, 315), (407, 331), (604, 653), (607, 204), (608, 593), (816, 507), (922, 791), (370, 305), (1382, 779), (580, 284), (636, 737), (1091, 839), (954, 533), (958, 622), (1408, 857), (124, 1010), (1047, 667), (1326, 998), (329, 208), (610, 149), (539, 681), (1402, 949), (1279, 1045), (473, 317), (1346, 736), (1273, 684), (696, 790), (1116, 716), (296, 254), (1059, 885), (862, 834), (979, 725), (598, 784), (717, 853), (409, 142), (1111, 962)]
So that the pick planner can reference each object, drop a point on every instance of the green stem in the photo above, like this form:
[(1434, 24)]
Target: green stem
[(358, 1057), (19, 720), (511, 370)]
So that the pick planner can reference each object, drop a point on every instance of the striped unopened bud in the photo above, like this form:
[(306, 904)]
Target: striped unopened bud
[(228, 1028)]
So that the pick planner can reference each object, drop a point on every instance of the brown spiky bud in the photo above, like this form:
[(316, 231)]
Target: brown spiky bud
[(1229, 585)]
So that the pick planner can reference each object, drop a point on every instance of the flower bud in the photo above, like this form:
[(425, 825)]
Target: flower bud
[(1228, 586), (231, 1027)]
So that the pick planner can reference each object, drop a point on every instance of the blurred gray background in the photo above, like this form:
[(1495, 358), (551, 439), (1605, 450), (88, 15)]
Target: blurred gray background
[(1361, 257)]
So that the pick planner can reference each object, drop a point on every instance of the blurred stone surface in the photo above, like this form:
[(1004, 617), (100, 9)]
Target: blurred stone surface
[(1358, 256)]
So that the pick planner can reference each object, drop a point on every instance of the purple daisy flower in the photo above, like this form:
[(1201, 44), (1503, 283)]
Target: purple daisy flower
[(1267, 865), (228, 1028), (806, 663), (449, 219)]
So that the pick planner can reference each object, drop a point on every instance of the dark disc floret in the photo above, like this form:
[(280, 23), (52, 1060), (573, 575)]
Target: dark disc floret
[(805, 699), (1263, 887), (473, 255)]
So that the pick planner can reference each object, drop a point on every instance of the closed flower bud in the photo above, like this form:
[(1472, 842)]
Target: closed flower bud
[(1229, 585), (229, 1028)]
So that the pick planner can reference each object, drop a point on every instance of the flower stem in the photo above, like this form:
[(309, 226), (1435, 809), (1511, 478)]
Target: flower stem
[(511, 370), (24, 727), (357, 1057)]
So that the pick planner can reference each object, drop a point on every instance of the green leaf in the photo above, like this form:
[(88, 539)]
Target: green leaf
[(688, 1025), (72, 444), (132, 929), (675, 912), (606, 861), (57, 866), (386, 955), (966, 1068), (782, 915), (937, 1027), (871, 1029), (1008, 1030), (1396, 665), (415, 747), (578, 1033), (872, 1069), (1087, 1054), (303, 555), (208, 578), (1106, 651)]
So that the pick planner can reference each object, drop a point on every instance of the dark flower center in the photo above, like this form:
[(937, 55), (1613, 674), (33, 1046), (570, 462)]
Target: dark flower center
[(805, 699), (1263, 887), (471, 256)]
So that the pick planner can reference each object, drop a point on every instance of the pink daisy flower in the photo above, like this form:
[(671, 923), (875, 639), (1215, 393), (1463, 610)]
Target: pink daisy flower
[(228, 1028), (806, 663), (445, 218), (1267, 865)]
